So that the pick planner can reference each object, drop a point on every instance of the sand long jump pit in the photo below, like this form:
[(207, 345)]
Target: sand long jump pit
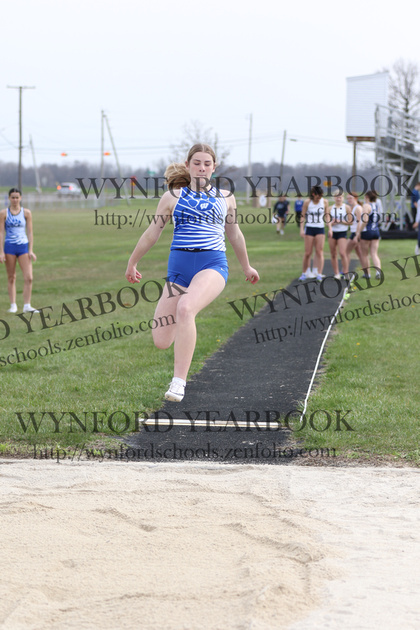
[(211, 546)]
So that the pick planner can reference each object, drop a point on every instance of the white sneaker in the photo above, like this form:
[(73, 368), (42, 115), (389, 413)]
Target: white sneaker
[(337, 276), (310, 274), (12, 309), (417, 250), (29, 309), (282, 232), (175, 392)]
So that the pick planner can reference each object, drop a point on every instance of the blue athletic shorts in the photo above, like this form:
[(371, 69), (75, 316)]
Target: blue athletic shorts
[(352, 235), (371, 235), (16, 250), (337, 235), (184, 264), (313, 231)]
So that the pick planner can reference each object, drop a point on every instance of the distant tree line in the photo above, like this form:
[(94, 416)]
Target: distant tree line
[(299, 176), (52, 174)]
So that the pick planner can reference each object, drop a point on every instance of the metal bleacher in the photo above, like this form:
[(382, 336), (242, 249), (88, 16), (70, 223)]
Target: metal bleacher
[(397, 147)]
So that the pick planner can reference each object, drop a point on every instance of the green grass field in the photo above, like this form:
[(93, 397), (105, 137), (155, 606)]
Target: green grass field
[(66, 366)]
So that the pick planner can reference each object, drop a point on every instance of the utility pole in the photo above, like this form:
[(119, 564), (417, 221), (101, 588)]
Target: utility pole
[(102, 143), (103, 201), (282, 160), (248, 186), (38, 182), (116, 158), (354, 160), (20, 88)]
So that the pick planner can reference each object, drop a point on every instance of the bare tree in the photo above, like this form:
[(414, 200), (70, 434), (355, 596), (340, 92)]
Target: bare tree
[(405, 86), (193, 133)]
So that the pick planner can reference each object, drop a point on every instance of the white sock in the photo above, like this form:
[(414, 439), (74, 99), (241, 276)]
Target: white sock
[(178, 380), (27, 306), (13, 305), (315, 270), (307, 271)]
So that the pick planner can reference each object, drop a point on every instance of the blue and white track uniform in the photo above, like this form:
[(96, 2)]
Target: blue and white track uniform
[(199, 235), (16, 241)]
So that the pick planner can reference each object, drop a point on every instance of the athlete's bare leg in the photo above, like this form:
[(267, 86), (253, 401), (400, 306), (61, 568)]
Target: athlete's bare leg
[(319, 252), (333, 250), (309, 245), (205, 286), (11, 277), (376, 261), (342, 250), (25, 264), (364, 254)]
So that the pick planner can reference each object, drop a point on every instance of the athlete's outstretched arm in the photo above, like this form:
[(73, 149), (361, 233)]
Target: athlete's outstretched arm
[(237, 240), (151, 235)]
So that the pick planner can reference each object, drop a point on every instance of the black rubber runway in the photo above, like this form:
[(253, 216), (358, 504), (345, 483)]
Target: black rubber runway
[(262, 374)]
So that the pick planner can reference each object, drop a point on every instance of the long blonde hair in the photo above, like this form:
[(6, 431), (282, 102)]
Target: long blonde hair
[(177, 174)]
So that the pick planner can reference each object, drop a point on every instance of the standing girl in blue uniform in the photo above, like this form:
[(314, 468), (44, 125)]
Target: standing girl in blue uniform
[(17, 234), (197, 265)]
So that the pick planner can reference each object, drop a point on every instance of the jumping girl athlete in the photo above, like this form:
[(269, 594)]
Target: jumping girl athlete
[(16, 230), (197, 264), (314, 209), (341, 218), (369, 234)]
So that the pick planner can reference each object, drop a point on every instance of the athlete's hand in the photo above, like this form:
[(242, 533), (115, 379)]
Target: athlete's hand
[(132, 274), (32, 255), (251, 275), (2, 258), (302, 233)]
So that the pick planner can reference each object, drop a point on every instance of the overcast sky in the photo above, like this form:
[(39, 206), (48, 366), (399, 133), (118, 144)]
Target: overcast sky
[(155, 66)]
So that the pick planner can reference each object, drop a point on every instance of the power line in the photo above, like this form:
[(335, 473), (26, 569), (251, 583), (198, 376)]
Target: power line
[(235, 142), (8, 141)]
